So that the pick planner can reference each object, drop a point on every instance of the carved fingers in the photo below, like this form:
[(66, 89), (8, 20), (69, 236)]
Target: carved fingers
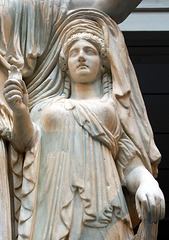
[(150, 202), (15, 94)]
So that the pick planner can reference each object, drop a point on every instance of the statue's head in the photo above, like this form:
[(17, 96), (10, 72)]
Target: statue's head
[(83, 58), (94, 40), (84, 62)]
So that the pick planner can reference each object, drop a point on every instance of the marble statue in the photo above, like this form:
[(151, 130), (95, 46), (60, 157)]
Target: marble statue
[(78, 159)]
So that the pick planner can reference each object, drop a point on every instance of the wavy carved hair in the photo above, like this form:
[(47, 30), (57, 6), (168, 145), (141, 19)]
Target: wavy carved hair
[(100, 46)]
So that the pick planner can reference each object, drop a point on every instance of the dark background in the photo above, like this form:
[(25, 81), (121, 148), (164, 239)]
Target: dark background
[(149, 52)]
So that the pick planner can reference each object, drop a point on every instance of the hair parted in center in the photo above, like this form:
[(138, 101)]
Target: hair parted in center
[(96, 41), (100, 46)]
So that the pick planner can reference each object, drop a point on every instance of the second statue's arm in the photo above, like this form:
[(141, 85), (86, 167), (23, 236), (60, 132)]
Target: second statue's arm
[(117, 9), (16, 96)]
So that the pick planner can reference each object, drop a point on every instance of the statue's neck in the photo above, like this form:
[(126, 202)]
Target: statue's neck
[(80, 91)]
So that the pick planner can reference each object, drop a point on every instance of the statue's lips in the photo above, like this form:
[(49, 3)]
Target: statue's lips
[(82, 66)]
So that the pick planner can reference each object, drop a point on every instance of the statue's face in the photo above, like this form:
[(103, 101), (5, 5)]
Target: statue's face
[(84, 64)]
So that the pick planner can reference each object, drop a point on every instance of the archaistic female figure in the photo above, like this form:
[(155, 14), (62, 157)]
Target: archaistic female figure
[(83, 135)]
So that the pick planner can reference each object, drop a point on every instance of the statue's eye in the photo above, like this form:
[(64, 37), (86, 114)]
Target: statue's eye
[(73, 52), (90, 51)]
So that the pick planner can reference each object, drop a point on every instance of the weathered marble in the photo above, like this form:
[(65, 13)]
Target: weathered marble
[(75, 132)]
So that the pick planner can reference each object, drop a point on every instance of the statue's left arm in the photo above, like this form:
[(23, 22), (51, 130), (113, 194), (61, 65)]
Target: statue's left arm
[(149, 198), (117, 9)]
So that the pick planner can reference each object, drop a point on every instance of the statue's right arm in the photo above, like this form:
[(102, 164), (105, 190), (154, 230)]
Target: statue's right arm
[(117, 9), (16, 96)]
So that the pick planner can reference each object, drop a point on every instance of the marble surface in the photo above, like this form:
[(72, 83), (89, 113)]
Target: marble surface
[(74, 126)]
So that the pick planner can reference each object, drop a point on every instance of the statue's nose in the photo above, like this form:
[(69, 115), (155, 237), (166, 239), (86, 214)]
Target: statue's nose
[(82, 56)]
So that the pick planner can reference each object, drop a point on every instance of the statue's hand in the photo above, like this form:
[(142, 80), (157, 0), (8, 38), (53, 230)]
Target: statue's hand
[(15, 91), (150, 203)]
